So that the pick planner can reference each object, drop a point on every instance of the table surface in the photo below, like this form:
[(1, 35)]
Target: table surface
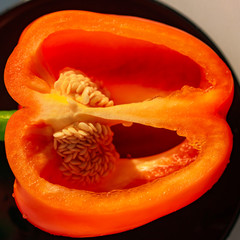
[(219, 19)]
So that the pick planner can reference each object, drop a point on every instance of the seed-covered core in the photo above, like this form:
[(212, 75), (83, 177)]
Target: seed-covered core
[(74, 84), (87, 151), (86, 148)]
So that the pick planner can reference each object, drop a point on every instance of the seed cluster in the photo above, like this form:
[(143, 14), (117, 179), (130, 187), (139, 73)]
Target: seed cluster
[(73, 83), (86, 148), (87, 151)]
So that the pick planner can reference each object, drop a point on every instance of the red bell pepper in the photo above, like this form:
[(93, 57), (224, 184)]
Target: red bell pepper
[(170, 91)]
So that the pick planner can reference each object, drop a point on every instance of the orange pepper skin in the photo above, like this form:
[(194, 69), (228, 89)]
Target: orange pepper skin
[(197, 112)]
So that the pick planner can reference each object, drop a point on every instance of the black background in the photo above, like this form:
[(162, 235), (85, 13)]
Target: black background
[(210, 217)]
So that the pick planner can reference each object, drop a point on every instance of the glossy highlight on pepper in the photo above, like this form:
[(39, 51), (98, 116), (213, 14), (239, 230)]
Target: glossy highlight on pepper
[(123, 121)]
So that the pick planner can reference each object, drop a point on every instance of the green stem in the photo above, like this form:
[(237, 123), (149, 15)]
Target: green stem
[(4, 117)]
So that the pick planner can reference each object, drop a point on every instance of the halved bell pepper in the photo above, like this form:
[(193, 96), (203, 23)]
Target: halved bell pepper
[(169, 96)]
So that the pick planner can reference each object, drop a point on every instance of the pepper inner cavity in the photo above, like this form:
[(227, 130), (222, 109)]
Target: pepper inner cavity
[(86, 148)]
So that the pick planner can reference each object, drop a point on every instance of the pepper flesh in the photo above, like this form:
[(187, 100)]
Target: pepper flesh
[(188, 90)]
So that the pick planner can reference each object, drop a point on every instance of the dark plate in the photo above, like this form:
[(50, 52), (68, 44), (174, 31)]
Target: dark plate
[(210, 217)]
